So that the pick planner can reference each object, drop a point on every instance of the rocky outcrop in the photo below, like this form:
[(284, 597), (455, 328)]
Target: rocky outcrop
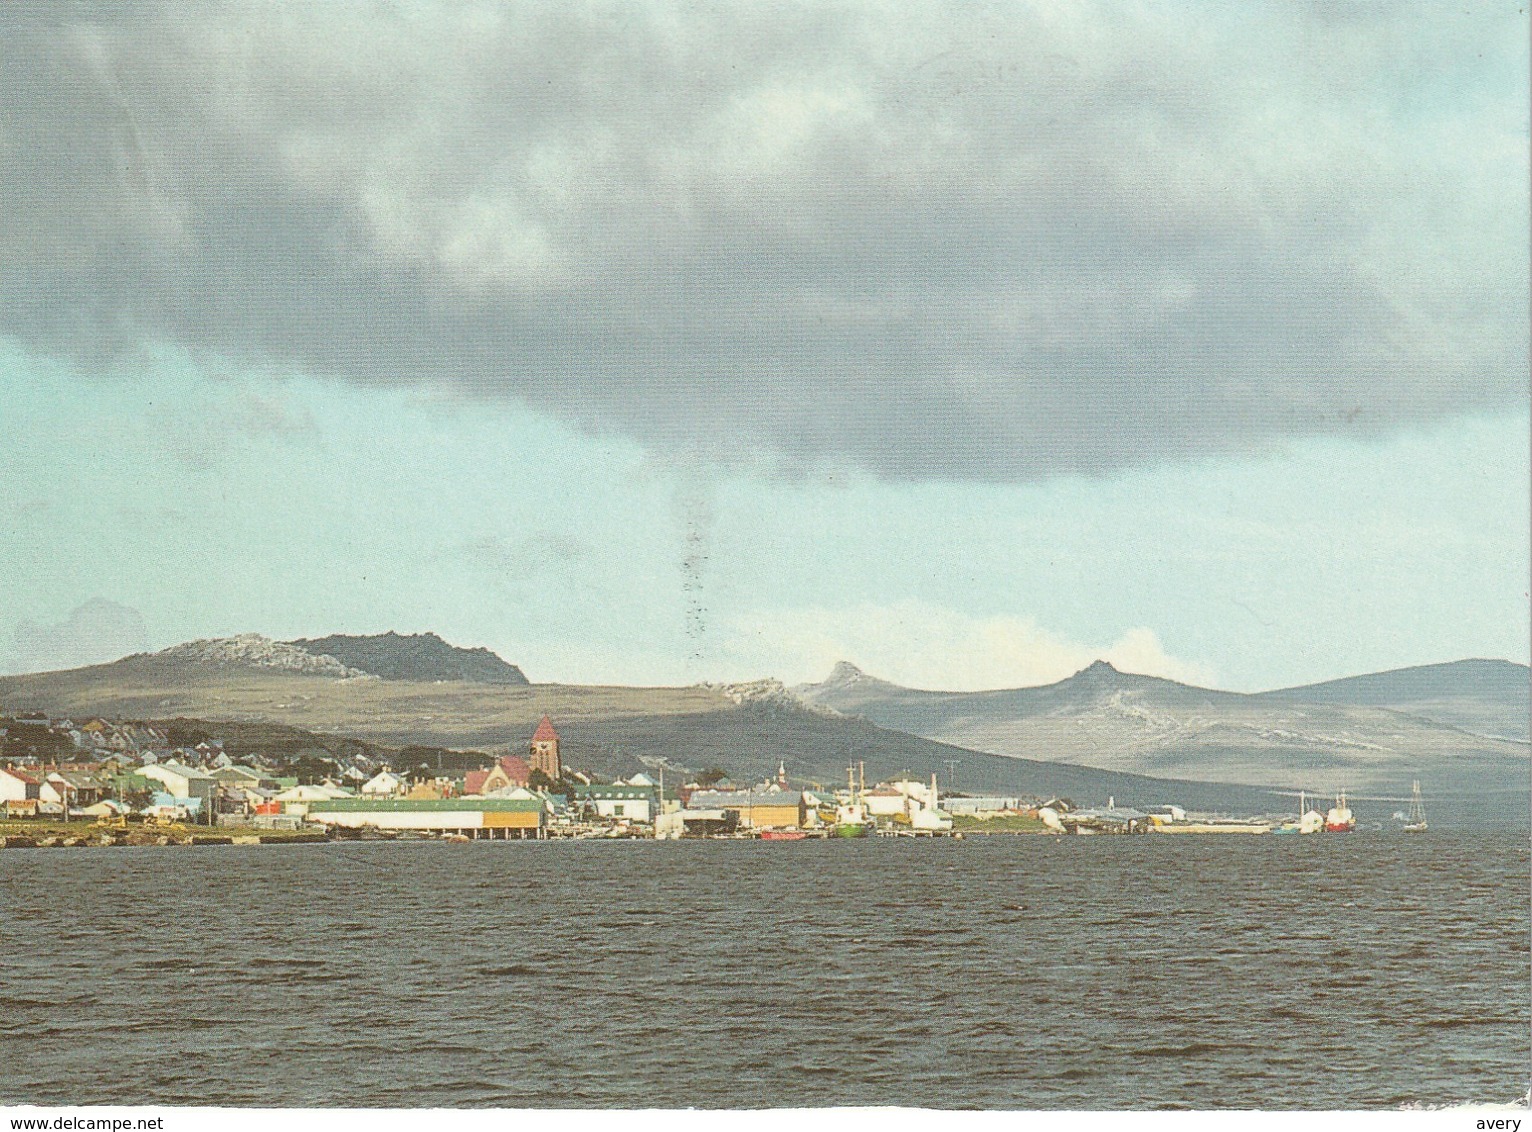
[(251, 650)]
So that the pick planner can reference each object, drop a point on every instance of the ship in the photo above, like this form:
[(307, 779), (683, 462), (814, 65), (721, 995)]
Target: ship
[(1340, 818), (851, 818), (1309, 820), (1417, 820)]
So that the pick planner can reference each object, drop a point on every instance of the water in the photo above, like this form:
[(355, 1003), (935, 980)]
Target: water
[(1375, 970)]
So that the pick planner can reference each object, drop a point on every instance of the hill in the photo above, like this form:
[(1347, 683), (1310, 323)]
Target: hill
[(1485, 697), (1112, 720), (1099, 733), (421, 656), (746, 729)]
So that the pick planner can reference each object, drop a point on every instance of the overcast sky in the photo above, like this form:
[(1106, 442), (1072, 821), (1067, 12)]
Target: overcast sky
[(660, 343)]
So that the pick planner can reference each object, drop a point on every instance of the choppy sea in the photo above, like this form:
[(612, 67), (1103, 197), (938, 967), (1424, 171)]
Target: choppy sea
[(1376, 970)]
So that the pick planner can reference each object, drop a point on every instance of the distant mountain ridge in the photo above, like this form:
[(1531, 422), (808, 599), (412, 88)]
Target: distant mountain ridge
[(420, 656), (1134, 724), (1485, 697), (1092, 735)]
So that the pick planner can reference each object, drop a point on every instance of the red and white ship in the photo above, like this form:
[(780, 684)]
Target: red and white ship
[(1340, 818)]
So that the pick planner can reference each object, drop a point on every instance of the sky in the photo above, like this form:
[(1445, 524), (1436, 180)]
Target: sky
[(654, 344)]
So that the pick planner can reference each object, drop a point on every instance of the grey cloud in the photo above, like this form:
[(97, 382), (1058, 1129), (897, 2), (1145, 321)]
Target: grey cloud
[(999, 244), (93, 633)]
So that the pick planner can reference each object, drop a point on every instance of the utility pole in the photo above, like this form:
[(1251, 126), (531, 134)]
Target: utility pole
[(951, 774)]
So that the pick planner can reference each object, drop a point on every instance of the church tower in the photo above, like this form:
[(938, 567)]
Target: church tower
[(545, 750)]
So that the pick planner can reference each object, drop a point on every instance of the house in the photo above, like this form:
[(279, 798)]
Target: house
[(545, 750), (174, 808), (759, 809), (508, 771), (106, 808), (384, 784), (886, 802), (235, 800), (239, 776), (619, 801), (979, 807), (18, 786), (182, 781), (72, 787)]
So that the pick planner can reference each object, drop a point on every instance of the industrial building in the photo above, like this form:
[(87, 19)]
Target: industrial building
[(493, 819), (756, 809)]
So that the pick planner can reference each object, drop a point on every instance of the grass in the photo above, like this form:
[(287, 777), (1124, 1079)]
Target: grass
[(1001, 823)]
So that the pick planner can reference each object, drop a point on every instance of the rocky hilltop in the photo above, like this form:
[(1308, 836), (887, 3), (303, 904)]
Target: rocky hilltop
[(420, 656), (768, 693), (251, 650)]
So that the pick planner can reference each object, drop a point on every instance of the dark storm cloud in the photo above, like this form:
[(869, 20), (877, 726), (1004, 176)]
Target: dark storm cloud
[(997, 245)]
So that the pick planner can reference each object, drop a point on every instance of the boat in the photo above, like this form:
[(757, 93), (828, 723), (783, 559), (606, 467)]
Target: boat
[(1309, 820), (851, 818), (784, 834), (1417, 819), (1340, 818)]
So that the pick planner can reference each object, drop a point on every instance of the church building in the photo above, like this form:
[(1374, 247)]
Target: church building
[(545, 750)]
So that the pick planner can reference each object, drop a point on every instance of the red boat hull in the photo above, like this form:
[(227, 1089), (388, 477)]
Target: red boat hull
[(783, 835)]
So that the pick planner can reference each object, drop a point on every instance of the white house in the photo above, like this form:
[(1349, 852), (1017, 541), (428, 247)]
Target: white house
[(17, 786), (886, 802), (72, 788), (620, 801), (181, 781), (384, 784)]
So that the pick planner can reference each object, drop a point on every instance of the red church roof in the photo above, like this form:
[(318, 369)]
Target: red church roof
[(516, 768), (544, 731)]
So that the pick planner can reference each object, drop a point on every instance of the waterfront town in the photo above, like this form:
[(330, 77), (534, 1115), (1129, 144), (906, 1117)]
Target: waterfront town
[(113, 782)]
